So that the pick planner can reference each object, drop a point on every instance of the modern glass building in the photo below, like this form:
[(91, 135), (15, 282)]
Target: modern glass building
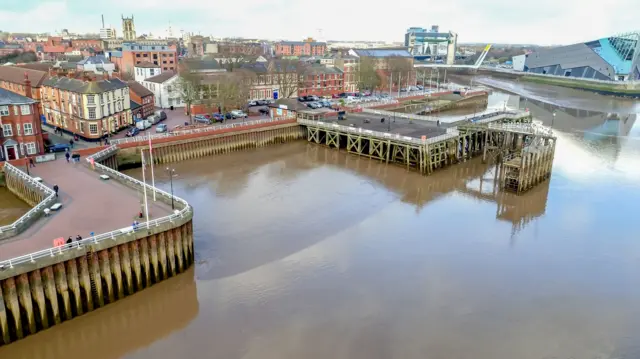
[(432, 42), (611, 58)]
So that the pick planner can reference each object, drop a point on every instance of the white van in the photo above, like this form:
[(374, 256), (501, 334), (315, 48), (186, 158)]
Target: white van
[(143, 124), (153, 119)]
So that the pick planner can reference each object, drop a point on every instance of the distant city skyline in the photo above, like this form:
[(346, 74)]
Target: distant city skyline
[(543, 22)]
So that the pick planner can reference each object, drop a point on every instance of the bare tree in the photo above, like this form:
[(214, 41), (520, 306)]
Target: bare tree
[(189, 88), (400, 68), (368, 77), (287, 75)]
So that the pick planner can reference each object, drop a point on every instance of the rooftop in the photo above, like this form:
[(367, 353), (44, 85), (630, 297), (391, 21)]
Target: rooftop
[(16, 75), (87, 87), (202, 65), (138, 89), (11, 98), (383, 52), (97, 59), (301, 43), (163, 77)]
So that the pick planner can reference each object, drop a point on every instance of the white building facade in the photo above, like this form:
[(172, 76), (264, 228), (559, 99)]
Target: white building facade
[(165, 89)]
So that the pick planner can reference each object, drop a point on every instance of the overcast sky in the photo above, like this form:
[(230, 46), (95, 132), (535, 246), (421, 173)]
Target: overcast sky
[(497, 21)]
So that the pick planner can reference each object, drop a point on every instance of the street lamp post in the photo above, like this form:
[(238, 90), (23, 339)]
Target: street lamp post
[(553, 119), (171, 172)]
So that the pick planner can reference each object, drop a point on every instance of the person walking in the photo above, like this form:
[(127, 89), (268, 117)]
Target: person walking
[(55, 189), (69, 240), (78, 238), (71, 143), (67, 155), (31, 164)]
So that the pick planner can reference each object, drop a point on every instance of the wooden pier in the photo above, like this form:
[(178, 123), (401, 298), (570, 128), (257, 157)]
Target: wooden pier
[(523, 150)]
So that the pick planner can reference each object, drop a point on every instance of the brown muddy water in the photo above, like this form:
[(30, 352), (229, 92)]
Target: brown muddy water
[(305, 252), (11, 207)]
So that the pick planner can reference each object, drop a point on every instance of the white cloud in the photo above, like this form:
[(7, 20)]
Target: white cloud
[(542, 21)]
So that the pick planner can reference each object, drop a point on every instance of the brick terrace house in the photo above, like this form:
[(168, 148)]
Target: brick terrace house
[(133, 54), (14, 78), (308, 47), (349, 67), (144, 98), (89, 108), (321, 80), (20, 122)]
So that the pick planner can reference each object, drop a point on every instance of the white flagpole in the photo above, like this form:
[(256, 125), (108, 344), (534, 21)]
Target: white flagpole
[(153, 178), (146, 203)]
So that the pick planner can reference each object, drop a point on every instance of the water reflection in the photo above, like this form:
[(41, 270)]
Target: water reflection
[(117, 329)]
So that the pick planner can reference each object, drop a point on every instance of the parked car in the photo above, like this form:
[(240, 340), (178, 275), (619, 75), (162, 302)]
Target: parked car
[(143, 124), (261, 102), (326, 103), (217, 117), (161, 115), (238, 114), (264, 111), (161, 128), (202, 119), (133, 131), (302, 98), (59, 147), (270, 101), (228, 116), (252, 103), (153, 119)]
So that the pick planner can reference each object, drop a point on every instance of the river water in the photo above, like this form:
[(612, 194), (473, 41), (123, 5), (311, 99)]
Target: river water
[(11, 207), (306, 252)]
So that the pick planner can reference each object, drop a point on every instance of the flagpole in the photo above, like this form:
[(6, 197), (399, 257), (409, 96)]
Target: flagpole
[(153, 178), (146, 203)]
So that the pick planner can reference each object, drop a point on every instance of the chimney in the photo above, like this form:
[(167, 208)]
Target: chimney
[(27, 86)]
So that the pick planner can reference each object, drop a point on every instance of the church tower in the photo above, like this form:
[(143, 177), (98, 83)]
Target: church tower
[(128, 29)]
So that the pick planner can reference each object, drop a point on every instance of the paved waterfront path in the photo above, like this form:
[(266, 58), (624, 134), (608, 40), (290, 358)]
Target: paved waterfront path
[(89, 205)]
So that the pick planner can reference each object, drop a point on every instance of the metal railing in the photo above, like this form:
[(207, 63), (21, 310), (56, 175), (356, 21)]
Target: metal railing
[(35, 212), (203, 130), (530, 128), (178, 214)]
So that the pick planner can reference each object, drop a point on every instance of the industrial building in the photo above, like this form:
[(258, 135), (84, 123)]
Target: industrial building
[(612, 58), (432, 44)]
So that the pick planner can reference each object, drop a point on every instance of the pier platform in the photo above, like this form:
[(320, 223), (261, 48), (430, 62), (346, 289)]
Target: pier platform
[(89, 204)]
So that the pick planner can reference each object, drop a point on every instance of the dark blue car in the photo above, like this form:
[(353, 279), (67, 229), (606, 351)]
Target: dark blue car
[(59, 147)]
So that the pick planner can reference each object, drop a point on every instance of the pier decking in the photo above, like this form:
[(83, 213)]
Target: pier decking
[(88, 205)]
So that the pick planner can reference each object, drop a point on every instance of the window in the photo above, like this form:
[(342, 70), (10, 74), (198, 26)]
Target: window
[(28, 129), (91, 100), (31, 148), (92, 112), (145, 55), (6, 130), (25, 109), (4, 110), (82, 127), (108, 109), (151, 72), (93, 129), (137, 55)]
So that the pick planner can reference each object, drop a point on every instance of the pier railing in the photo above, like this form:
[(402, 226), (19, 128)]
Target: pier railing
[(34, 213), (202, 130), (179, 214)]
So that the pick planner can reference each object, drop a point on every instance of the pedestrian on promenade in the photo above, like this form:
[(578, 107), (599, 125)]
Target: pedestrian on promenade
[(31, 164), (69, 240), (55, 189), (67, 155), (78, 238), (71, 143)]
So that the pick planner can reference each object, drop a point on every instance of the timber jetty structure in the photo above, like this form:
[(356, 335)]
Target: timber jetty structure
[(54, 284)]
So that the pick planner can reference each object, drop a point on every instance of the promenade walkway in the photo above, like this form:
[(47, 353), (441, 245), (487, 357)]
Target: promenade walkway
[(88, 205)]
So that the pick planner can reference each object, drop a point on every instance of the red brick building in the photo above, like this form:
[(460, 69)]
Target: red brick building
[(14, 78), (132, 54), (321, 80), (308, 47), (21, 134), (143, 97)]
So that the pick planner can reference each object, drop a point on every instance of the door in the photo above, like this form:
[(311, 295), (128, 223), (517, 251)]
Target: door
[(11, 153)]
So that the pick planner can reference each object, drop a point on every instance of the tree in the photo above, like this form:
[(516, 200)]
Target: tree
[(368, 77), (287, 75), (233, 90), (188, 87), (400, 67)]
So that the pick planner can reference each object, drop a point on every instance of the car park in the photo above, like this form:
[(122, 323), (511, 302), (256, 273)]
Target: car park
[(143, 124), (161, 128), (59, 147), (133, 131), (161, 115), (153, 119), (217, 117), (252, 103)]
